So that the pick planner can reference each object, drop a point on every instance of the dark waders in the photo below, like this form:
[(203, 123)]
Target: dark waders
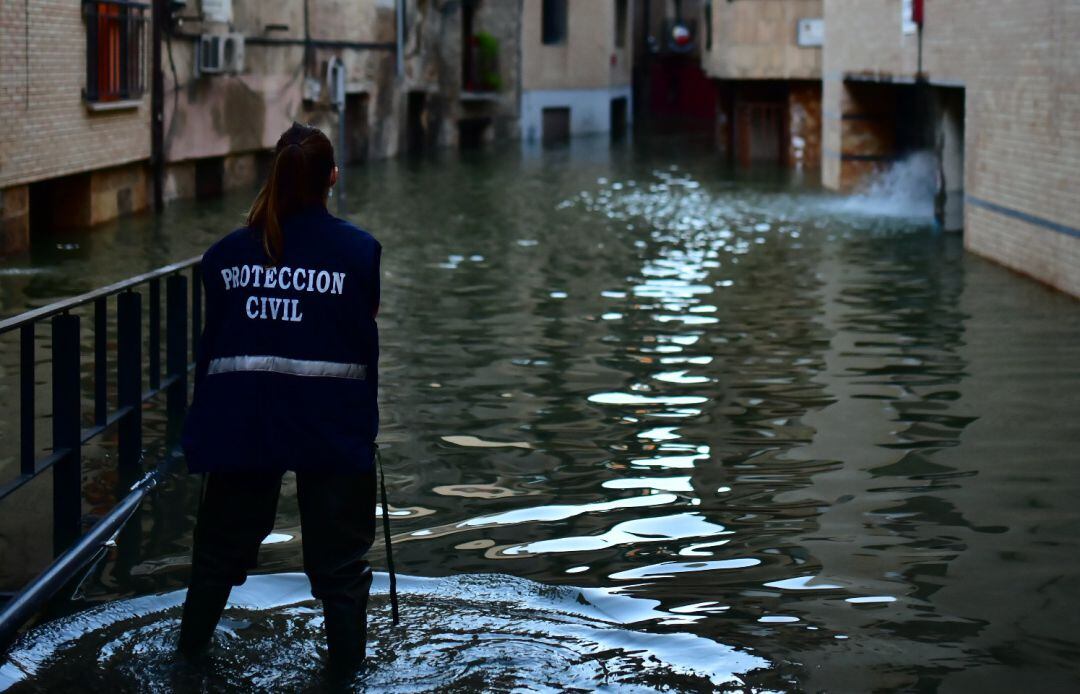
[(337, 517)]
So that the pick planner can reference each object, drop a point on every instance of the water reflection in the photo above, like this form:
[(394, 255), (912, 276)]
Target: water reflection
[(831, 441)]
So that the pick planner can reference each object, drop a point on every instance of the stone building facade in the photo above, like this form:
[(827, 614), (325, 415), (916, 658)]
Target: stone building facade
[(985, 87), (576, 67), (76, 80), (991, 88), (75, 140), (765, 60), (219, 127)]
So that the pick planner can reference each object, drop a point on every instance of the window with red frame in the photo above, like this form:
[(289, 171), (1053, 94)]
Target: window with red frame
[(116, 48)]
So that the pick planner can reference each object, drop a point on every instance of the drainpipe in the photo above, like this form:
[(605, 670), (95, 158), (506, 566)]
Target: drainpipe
[(400, 38), (918, 10), (918, 69), (335, 77), (520, 61), (157, 105), (309, 68), (341, 156)]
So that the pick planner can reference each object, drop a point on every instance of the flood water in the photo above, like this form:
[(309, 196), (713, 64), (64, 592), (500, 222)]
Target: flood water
[(649, 424)]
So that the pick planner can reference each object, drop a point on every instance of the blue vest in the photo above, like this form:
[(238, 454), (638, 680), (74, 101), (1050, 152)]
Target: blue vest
[(286, 373)]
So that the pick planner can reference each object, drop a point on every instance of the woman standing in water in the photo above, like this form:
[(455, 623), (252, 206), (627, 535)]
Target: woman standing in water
[(286, 379)]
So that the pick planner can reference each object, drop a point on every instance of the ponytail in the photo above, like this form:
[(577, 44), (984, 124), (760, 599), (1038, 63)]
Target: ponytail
[(299, 178)]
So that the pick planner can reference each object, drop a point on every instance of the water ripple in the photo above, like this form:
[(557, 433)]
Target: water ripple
[(464, 633)]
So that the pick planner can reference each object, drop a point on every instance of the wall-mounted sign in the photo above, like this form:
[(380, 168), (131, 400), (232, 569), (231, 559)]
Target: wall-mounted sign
[(681, 39), (811, 32), (907, 17)]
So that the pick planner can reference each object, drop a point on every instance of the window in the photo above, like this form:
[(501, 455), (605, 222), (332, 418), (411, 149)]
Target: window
[(553, 21), (707, 10), (620, 23), (116, 47)]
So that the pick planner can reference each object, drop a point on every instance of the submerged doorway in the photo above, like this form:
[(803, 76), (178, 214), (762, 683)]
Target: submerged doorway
[(471, 132), (356, 128), (759, 132), (555, 125), (416, 126), (618, 118)]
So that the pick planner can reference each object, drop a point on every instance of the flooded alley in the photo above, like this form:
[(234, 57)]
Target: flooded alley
[(651, 422)]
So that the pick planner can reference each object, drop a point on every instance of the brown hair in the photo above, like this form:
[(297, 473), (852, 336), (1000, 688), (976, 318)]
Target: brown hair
[(299, 178)]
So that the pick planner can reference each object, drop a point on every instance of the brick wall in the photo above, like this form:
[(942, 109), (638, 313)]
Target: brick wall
[(758, 40), (1019, 64), (47, 129)]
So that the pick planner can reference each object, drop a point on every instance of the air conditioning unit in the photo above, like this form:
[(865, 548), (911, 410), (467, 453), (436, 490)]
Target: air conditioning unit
[(234, 53), (219, 53)]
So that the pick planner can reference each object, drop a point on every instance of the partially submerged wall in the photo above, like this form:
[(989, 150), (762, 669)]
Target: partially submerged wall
[(1018, 67), (50, 129)]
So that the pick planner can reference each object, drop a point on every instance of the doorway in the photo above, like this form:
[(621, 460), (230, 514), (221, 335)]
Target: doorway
[(618, 118), (209, 177), (759, 128), (356, 128), (471, 132), (416, 123), (555, 125)]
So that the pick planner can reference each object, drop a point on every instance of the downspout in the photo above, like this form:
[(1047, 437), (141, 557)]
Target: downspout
[(308, 50), (918, 69), (157, 105), (919, 11), (520, 87), (400, 7)]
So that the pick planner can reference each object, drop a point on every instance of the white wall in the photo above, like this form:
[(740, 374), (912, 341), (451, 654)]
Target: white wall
[(590, 109)]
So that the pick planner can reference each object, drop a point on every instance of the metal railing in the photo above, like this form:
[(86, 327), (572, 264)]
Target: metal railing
[(71, 548)]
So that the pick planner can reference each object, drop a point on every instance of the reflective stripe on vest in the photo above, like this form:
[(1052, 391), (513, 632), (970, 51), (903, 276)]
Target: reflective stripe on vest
[(284, 365)]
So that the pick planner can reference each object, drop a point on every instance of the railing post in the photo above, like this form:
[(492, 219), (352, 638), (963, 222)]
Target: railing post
[(196, 308), (176, 351), (129, 380), (101, 361), (26, 399), (154, 339), (67, 432)]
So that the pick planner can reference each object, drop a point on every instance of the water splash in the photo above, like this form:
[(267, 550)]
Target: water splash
[(906, 190), (483, 631)]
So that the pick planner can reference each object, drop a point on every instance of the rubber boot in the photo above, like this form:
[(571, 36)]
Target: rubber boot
[(202, 610), (346, 636)]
